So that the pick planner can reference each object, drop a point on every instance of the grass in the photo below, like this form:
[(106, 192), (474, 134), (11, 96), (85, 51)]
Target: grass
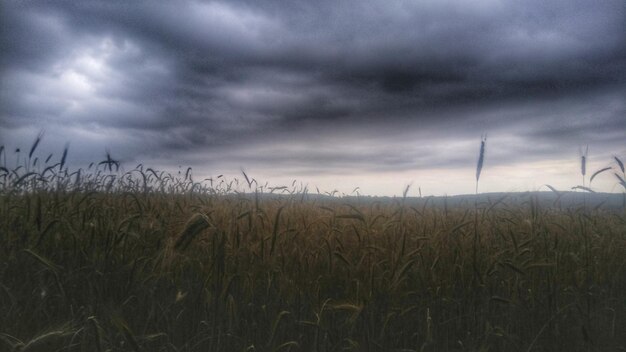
[(106, 260), (481, 160)]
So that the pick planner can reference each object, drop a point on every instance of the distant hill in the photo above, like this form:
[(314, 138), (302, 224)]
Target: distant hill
[(613, 201), (546, 199)]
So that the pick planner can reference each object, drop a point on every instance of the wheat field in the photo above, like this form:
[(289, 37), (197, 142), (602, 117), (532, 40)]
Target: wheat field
[(99, 259)]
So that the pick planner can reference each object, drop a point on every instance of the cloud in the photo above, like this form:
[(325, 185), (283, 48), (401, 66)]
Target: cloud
[(325, 86)]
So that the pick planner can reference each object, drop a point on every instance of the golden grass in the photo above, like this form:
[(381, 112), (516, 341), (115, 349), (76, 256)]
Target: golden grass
[(101, 260)]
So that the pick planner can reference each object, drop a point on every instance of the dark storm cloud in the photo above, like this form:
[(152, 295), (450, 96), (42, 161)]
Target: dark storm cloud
[(217, 82)]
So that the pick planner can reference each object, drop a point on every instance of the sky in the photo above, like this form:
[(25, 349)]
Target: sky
[(334, 94)]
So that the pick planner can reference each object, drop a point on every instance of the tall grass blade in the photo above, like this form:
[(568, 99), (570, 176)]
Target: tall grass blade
[(583, 163), (620, 163), (583, 188), (23, 177), (597, 173), (287, 344), (15, 343), (275, 230), (64, 156), (621, 180), (553, 189), (46, 262), (110, 162), (481, 160), (249, 181), (96, 330), (35, 144), (195, 225), (45, 337), (128, 334)]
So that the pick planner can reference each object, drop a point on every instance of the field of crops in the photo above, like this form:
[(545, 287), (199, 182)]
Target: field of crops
[(101, 260)]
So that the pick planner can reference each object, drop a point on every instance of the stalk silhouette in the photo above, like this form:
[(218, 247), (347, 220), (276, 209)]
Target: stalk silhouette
[(583, 163), (481, 159), (479, 168)]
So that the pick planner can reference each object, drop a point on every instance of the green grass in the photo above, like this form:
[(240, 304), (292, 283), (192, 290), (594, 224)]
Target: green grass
[(102, 260)]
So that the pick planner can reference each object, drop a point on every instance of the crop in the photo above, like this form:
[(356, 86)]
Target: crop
[(106, 260)]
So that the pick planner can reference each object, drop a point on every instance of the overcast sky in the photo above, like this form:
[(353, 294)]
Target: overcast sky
[(334, 94)]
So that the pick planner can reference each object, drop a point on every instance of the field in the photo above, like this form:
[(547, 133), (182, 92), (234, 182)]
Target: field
[(101, 260)]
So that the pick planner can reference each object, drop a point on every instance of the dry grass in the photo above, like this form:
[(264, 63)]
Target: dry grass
[(84, 254)]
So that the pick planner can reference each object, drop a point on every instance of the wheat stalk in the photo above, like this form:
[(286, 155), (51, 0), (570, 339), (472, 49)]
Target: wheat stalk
[(481, 160)]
